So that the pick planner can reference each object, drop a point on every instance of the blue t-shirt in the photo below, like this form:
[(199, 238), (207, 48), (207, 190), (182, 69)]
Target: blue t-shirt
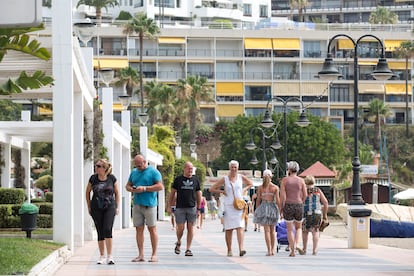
[(147, 177)]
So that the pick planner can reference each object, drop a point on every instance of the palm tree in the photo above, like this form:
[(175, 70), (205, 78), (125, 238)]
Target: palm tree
[(16, 39), (162, 101), (190, 93), (98, 4), (301, 5), (144, 27), (383, 16), (378, 112), (406, 50), (129, 77)]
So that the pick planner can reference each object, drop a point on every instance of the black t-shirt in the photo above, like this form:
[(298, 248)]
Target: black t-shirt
[(186, 190), (103, 192)]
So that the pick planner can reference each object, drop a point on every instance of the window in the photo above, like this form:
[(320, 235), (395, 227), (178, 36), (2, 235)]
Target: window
[(312, 48), (339, 93), (247, 9), (263, 11), (257, 93)]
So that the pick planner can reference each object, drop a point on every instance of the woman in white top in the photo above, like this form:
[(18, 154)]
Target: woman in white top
[(233, 218)]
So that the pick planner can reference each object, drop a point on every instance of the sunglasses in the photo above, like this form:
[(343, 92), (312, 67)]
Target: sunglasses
[(99, 166)]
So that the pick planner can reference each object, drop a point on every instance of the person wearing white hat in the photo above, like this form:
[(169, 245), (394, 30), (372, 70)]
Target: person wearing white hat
[(267, 212)]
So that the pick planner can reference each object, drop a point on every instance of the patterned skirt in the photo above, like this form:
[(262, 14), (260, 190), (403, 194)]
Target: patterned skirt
[(266, 214)]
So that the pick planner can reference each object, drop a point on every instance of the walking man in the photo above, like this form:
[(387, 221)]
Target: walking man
[(144, 182), (187, 189)]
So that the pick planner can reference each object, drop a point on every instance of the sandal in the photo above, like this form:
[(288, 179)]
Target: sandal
[(177, 248), (188, 253)]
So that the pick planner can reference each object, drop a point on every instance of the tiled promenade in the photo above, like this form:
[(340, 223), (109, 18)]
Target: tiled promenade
[(334, 257)]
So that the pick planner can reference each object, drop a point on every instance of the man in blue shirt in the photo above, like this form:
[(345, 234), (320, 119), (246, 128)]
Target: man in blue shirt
[(145, 182)]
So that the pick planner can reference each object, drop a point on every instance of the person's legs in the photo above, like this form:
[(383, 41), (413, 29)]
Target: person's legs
[(240, 241), (154, 242), (272, 239), (139, 236), (305, 235), (190, 234), (315, 241), (291, 237), (101, 246), (229, 236), (267, 239)]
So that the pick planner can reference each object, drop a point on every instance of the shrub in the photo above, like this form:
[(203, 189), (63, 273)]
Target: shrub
[(49, 197), (44, 221), (12, 196), (45, 182), (45, 208)]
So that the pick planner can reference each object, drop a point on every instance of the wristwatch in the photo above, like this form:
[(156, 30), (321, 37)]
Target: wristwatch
[(145, 189)]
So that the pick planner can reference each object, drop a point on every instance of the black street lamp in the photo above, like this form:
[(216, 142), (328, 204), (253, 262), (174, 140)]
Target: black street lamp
[(330, 72), (267, 121), (252, 146)]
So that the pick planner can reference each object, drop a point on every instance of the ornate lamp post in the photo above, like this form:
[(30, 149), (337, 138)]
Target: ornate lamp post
[(252, 146), (330, 72), (267, 121)]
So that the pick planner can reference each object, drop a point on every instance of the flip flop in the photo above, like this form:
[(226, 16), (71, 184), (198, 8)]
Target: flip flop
[(153, 259), (177, 248), (188, 253), (137, 259)]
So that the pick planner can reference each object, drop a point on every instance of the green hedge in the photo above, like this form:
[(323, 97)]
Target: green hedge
[(11, 200), (12, 196)]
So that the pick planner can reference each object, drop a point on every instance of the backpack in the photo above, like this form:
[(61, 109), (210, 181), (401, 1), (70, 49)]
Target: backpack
[(313, 202)]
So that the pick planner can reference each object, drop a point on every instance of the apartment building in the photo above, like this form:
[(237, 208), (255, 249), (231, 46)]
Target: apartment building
[(247, 67), (343, 11)]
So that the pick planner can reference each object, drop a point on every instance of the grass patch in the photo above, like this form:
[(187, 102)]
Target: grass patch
[(19, 255)]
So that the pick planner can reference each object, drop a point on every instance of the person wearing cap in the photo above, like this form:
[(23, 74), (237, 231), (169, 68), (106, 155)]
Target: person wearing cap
[(292, 196), (267, 212), (315, 210)]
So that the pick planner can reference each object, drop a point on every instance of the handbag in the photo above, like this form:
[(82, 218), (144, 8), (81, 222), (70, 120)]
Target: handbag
[(238, 203)]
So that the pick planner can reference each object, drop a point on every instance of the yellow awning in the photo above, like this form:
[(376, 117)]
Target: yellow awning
[(229, 89), (393, 88), (286, 89), (257, 43), (367, 63), (371, 88), (314, 89), (110, 63), (45, 111), (286, 43), (391, 44), (345, 44), (171, 40), (229, 110), (398, 65)]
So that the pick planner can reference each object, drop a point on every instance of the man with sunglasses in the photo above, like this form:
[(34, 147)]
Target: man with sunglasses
[(145, 182)]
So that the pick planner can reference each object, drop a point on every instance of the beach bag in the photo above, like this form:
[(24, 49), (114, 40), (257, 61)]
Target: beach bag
[(239, 204)]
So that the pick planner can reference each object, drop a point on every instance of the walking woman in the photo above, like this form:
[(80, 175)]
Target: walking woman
[(292, 195), (267, 212), (103, 206), (235, 185)]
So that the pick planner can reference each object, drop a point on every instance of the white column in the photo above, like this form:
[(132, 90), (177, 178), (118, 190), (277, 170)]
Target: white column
[(125, 170), (116, 165), (63, 163), (178, 152), (107, 120), (5, 173), (78, 179), (143, 141), (25, 158), (25, 161)]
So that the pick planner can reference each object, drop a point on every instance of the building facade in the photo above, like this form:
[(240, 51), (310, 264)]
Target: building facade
[(247, 67)]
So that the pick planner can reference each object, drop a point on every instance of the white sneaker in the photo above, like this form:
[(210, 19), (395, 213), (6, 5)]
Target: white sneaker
[(101, 260), (110, 261)]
